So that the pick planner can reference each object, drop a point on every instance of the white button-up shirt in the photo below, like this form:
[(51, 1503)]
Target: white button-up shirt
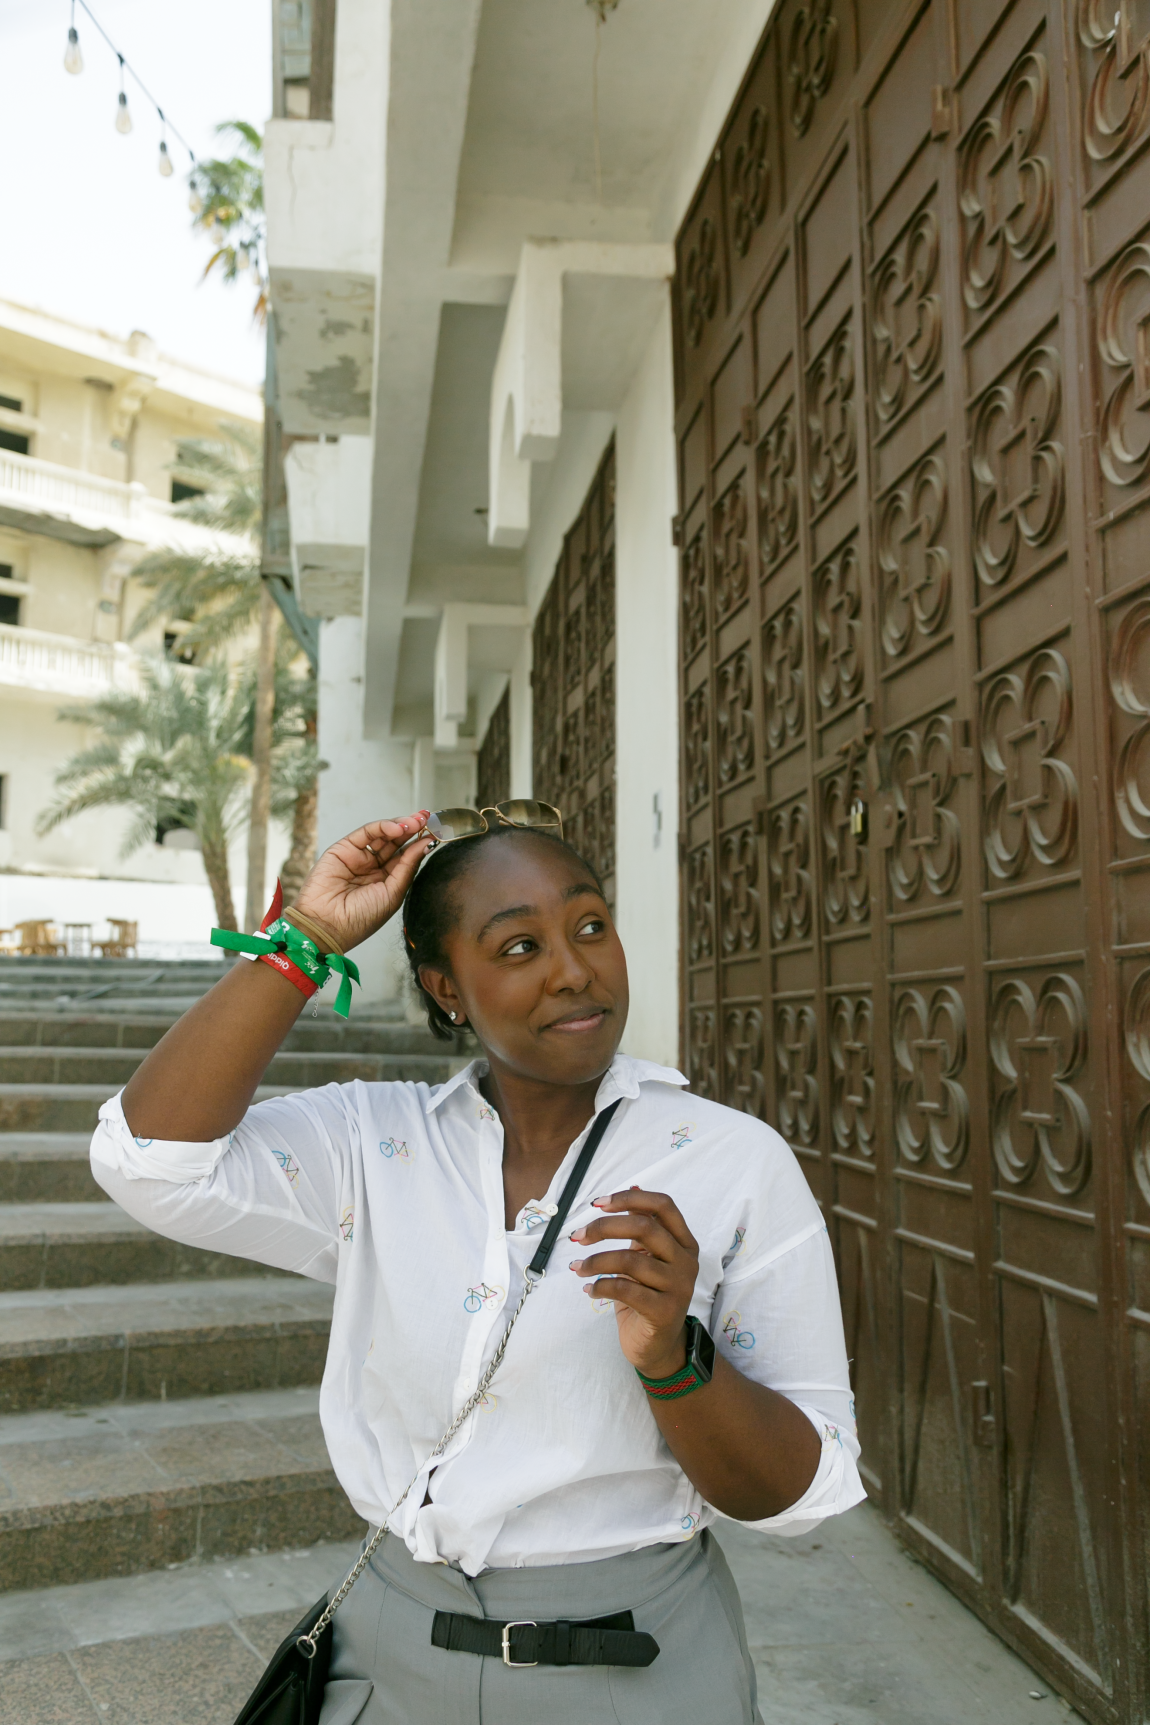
[(394, 1192)]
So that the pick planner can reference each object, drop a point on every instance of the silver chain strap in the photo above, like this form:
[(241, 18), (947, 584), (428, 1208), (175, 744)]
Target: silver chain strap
[(308, 1644)]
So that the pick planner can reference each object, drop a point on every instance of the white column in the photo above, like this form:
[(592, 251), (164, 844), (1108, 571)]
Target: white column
[(647, 703), (363, 781)]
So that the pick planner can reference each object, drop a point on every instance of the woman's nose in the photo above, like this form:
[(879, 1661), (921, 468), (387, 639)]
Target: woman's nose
[(569, 970)]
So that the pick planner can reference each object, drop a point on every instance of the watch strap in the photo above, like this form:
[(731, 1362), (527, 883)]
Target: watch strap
[(682, 1382)]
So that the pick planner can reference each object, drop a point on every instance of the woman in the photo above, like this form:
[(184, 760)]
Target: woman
[(583, 1488)]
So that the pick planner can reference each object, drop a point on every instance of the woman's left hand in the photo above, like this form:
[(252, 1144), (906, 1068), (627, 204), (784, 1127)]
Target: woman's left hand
[(652, 1283)]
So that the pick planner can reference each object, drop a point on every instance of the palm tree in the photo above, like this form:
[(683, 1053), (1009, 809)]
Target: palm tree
[(211, 595), (295, 767), (215, 595), (174, 752), (228, 205)]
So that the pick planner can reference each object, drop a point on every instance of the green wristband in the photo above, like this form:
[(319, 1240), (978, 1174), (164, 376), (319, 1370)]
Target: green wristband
[(283, 936)]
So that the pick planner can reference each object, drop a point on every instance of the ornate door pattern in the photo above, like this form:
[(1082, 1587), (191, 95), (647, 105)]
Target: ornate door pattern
[(494, 762), (573, 681), (913, 416)]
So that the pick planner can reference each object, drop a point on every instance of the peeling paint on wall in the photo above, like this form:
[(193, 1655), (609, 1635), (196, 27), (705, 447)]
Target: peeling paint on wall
[(332, 392)]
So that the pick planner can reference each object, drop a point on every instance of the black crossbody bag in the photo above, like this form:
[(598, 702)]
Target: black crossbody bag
[(290, 1692)]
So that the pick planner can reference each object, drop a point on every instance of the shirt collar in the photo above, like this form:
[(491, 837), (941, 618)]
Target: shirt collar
[(622, 1078)]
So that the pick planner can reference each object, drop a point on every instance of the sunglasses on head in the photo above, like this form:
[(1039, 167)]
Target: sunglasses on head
[(446, 825)]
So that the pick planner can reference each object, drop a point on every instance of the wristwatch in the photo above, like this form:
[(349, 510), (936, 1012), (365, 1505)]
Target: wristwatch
[(697, 1371)]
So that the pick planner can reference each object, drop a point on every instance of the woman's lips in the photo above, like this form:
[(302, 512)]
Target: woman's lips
[(585, 1021)]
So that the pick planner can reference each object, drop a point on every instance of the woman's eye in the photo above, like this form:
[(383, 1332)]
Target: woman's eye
[(517, 946), (593, 925)]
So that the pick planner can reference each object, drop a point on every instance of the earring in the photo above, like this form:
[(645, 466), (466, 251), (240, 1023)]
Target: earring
[(453, 1018)]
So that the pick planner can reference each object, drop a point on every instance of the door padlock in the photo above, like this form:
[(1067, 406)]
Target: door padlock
[(858, 819)]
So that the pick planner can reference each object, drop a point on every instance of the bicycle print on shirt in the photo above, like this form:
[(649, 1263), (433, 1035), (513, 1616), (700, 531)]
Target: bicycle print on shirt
[(738, 1338), (398, 1149), (482, 1295), (289, 1165)]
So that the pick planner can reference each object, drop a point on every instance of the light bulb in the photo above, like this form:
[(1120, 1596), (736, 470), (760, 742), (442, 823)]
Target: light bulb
[(73, 59), (123, 117), (165, 161), (196, 203)]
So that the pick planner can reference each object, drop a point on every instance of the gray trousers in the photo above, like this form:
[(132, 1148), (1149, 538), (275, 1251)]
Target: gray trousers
[(384, 1670)]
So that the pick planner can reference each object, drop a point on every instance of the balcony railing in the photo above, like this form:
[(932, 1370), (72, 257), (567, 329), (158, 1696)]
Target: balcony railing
[(59, 665), (37, 487), (42, 484)]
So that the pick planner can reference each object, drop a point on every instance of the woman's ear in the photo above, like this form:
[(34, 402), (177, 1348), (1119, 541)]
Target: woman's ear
[(439, 985)]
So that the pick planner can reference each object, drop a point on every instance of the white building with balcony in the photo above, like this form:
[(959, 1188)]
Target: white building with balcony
[(88, 429)]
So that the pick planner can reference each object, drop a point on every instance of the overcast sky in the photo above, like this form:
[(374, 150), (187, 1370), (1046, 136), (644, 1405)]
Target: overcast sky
[(88, 227)]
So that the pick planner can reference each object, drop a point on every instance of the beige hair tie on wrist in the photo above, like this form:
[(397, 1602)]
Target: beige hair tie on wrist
[(315, 930)]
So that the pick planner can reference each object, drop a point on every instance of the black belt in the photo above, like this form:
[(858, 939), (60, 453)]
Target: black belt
[(594, 1641)]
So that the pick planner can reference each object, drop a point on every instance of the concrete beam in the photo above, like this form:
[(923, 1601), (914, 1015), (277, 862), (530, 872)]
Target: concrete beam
[(527, 389), (432, 48), (328, 487), (504, 627)]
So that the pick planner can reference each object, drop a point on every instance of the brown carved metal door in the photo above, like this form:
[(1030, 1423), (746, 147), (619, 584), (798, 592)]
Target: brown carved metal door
[(573, 681), (913, 379)]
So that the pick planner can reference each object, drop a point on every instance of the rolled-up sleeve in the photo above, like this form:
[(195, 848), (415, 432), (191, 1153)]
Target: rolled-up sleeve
[(778, 1321), (272, 1190)]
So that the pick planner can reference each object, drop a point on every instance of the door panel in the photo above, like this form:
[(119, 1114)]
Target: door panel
[(573, 681), (913, 425)]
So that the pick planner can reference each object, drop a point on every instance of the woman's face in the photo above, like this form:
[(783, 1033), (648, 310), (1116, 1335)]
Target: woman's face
[(536, 967)]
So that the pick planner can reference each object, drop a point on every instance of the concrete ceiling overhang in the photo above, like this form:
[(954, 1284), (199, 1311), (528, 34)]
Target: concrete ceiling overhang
[(578, 316), (490, 143)]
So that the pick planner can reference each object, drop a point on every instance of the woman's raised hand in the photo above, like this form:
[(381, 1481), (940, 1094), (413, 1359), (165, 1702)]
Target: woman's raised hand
[(651, 1282), (359, 882)]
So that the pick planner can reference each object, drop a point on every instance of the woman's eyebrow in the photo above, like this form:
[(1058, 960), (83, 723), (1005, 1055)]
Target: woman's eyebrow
[(576, 891), (506, 916)]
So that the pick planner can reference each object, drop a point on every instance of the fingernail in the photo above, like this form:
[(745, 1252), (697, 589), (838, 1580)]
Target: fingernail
[(576, 1265), (595, 1202), (588, 1287), (577, 1236)]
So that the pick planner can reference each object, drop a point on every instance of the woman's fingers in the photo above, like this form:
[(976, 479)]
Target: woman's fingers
[(645, 1231), (637, 1266), (656, 1204), (638, 1215), (647, 1302), (371, 846)]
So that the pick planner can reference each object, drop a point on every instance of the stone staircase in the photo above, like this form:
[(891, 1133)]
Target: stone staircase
[(157, 1403)]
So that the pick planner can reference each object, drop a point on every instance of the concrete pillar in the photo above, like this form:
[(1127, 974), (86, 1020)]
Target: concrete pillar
[(647, 705), (364, 780)]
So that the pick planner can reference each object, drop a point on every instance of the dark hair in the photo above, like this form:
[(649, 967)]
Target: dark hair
[(431, 908)]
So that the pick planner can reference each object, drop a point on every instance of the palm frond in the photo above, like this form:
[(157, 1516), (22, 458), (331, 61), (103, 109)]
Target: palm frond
[(172, 749)]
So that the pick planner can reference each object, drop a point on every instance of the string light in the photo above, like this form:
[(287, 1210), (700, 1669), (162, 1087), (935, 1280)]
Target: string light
[(74, 63), (73, 59), (123, 117)]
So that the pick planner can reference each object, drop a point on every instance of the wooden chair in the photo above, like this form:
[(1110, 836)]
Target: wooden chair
[(38, 939), (122, 943)]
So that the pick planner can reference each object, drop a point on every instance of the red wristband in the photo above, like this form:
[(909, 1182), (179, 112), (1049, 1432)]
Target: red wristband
[(280, 960)]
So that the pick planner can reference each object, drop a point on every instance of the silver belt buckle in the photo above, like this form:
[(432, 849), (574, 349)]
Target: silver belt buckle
[(520, 1623)]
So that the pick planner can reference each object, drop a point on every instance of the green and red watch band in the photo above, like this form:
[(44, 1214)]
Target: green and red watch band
[(691, 1376), (680, 1383)]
